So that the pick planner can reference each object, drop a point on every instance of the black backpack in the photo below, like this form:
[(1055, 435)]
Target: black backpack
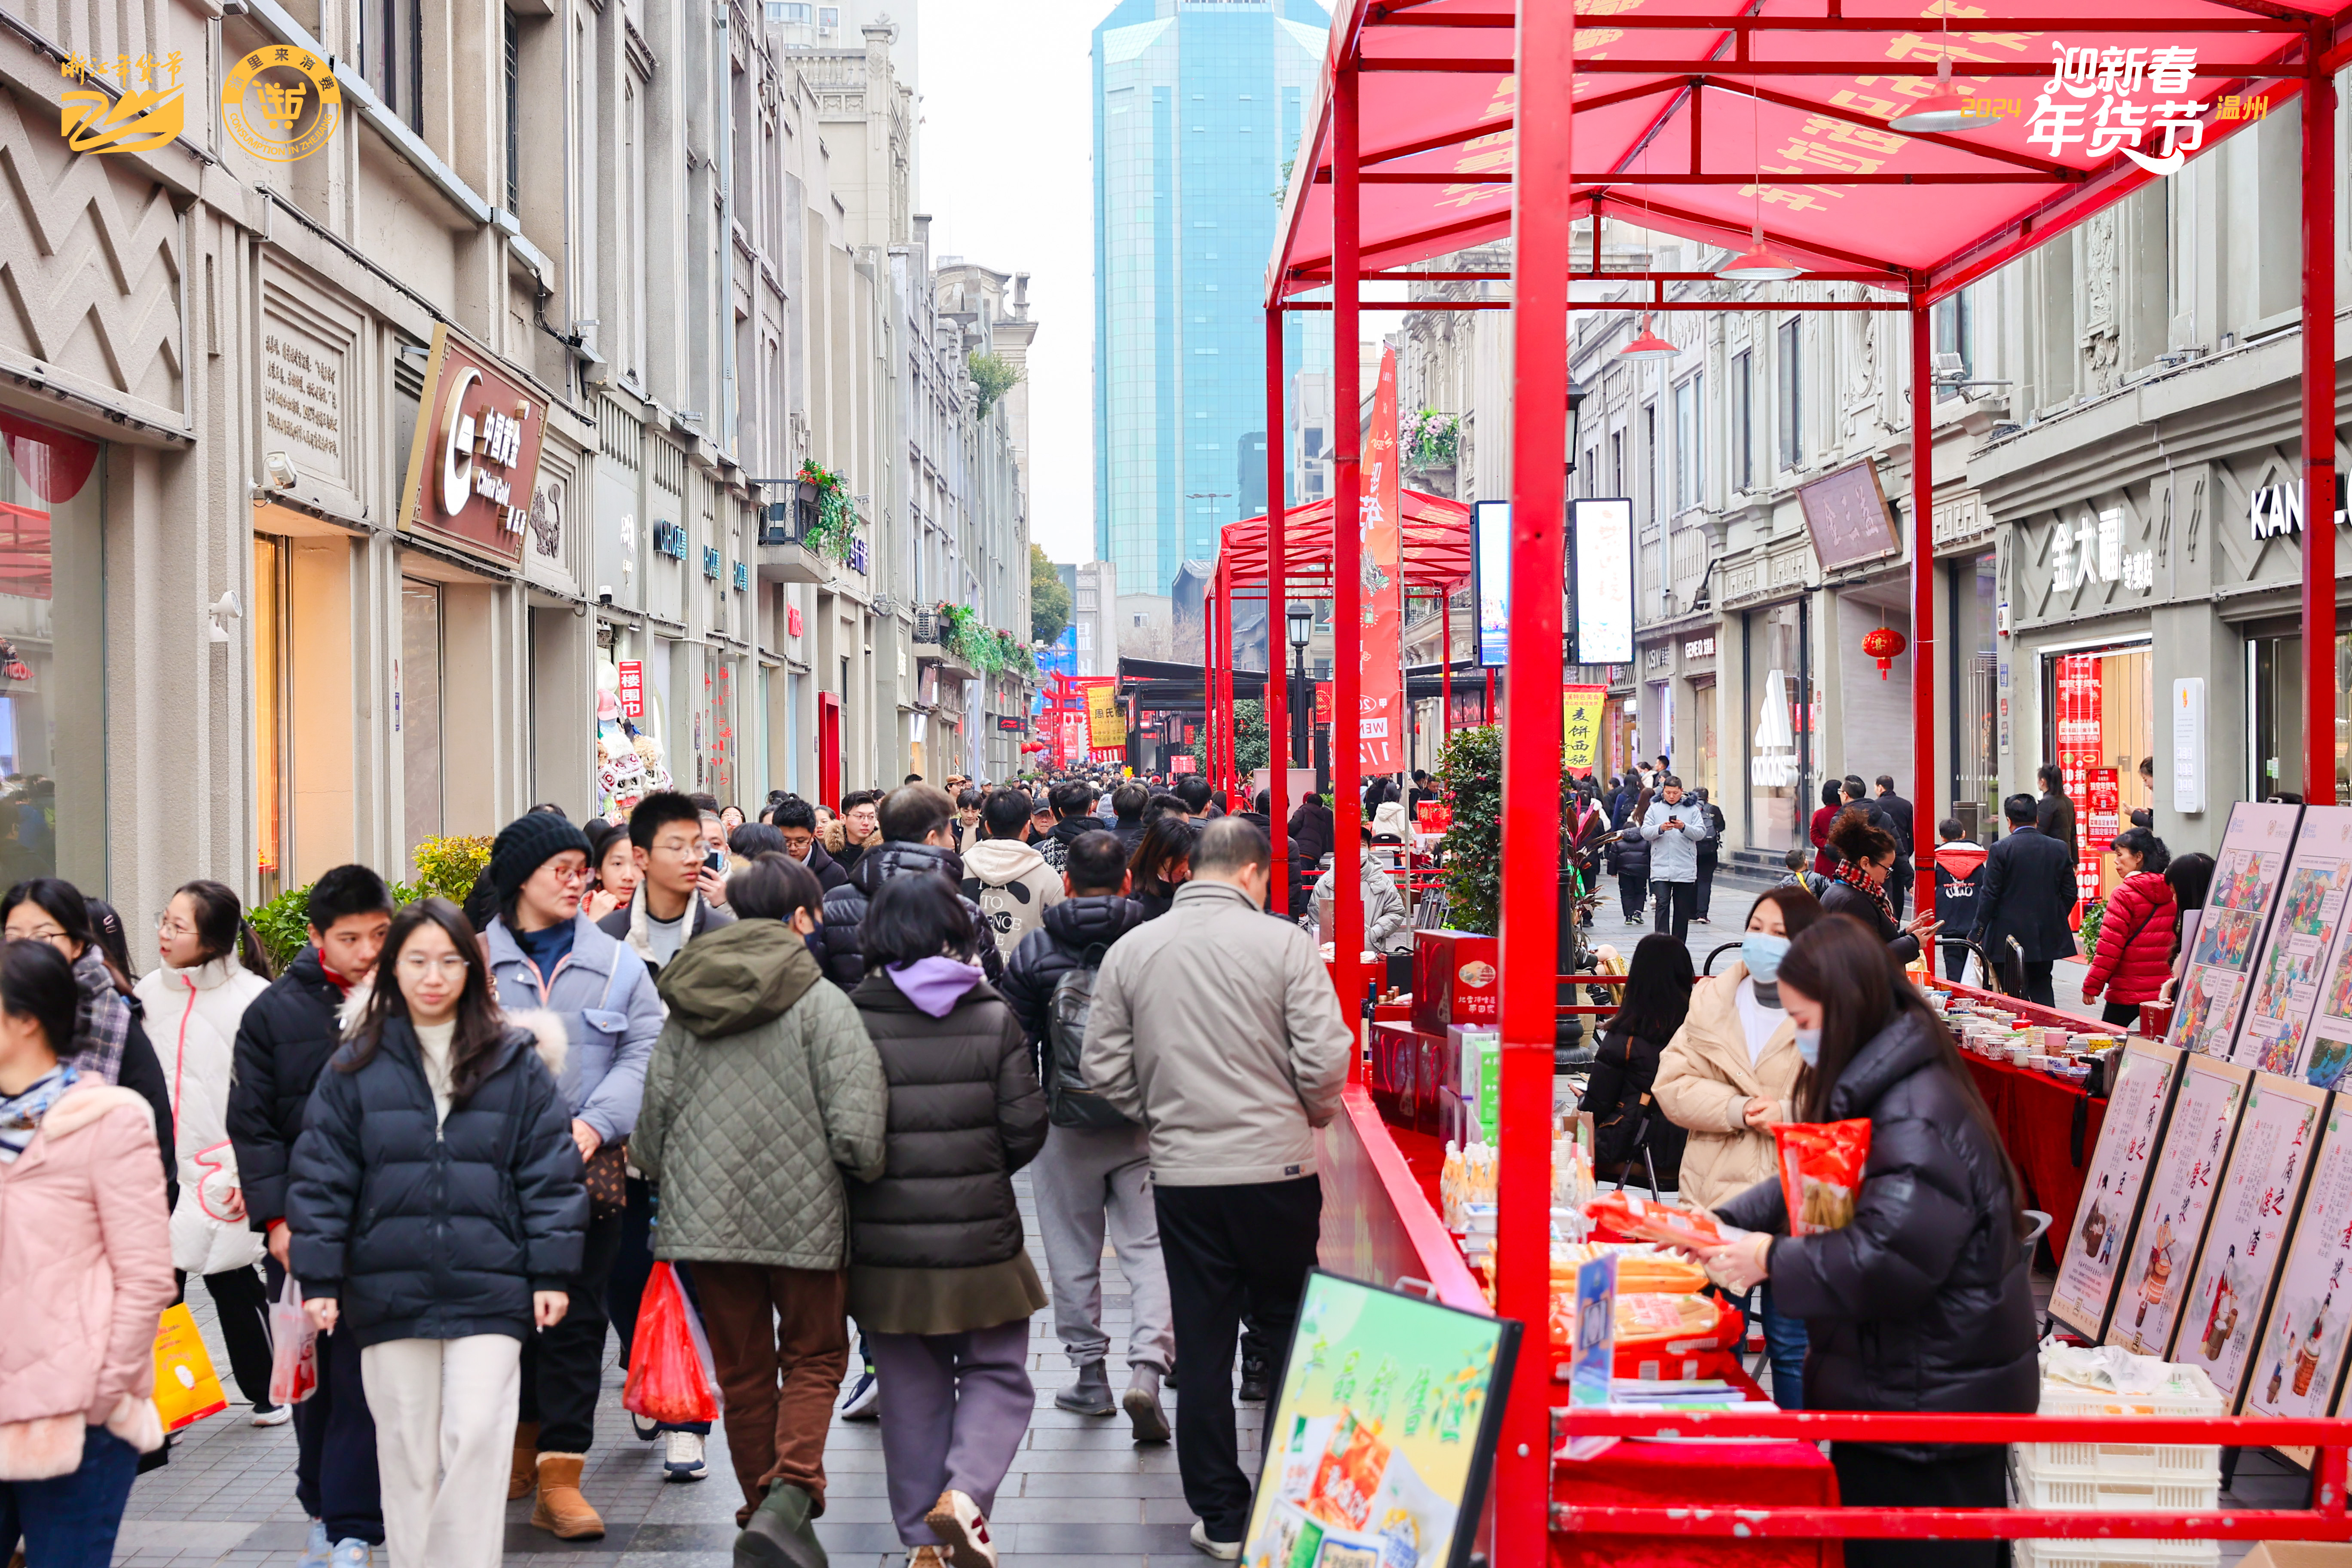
[(1068, 1101)]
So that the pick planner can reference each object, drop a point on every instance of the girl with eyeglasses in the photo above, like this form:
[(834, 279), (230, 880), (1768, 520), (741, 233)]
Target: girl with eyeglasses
[(437, 1212), (213, 968)]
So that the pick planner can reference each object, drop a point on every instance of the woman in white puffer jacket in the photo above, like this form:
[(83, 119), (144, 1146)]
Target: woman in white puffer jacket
[(213, 968)]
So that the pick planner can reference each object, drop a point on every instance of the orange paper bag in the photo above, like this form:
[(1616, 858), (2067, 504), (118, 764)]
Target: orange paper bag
[(187, 1388)]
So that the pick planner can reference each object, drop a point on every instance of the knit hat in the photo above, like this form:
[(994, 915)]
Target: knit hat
[(526, 844)]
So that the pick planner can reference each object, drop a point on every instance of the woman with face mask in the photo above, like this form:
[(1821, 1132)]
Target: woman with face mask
[(1920, 1301), (1729, 1074)]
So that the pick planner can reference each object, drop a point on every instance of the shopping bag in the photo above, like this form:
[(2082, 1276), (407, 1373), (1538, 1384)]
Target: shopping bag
[(1822, 1165), (671, 1377), (187, 1388), (293, 1348)]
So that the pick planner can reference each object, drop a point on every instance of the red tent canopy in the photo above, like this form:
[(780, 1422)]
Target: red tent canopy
[(1436, 546), (1679, 102)]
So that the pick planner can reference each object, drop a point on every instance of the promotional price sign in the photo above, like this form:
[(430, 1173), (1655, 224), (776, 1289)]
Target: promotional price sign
[(633, 688), (1384, 1429)]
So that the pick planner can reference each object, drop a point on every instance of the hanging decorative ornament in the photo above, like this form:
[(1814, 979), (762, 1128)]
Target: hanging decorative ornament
[(1884, 645)]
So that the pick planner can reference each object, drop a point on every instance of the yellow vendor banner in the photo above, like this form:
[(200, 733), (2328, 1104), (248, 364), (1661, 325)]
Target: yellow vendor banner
[(1581, 727), (1106, 726)]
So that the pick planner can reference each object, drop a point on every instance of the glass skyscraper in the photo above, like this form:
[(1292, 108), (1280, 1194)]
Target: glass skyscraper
[(1197, 107)]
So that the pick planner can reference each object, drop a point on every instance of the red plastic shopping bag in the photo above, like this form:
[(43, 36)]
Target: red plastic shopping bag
[(1820, 1171), (671, 1377), (293, 1348)]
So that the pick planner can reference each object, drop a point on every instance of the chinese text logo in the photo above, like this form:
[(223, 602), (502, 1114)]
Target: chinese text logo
[(94, 120), (281, 103)]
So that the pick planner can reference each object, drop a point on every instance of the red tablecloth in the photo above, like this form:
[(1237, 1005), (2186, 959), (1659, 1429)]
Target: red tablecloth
[(2035, 1113), (1641, 1475)]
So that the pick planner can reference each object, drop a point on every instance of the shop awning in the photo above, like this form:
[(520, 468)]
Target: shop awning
[(1436, 546), (1679, 102)]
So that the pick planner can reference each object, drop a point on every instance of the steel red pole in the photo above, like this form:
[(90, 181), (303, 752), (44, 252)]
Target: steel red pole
[(1531, 765), (1346, 551), (1488, 712), (1277, 701), (1924, 777), (1446, 673), (2319, 428), (1209, 687)]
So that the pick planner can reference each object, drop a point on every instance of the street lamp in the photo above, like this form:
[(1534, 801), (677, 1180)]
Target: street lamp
[(1301, 618)]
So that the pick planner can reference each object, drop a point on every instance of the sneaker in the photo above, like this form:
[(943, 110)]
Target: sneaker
[(350, 1553), (962, 1532), (682, 1456), (926, 1557), (645, 1427), (317, 1549), (858, 1403), (1222, 1550), (272, 1414)]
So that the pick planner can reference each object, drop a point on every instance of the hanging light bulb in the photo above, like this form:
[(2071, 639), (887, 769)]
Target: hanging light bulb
[(1942, 111), (1648, 345), (1761, 263)]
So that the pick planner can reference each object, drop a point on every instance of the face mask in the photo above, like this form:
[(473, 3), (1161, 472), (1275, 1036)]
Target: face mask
[(1809, 1046), (1762, 953)]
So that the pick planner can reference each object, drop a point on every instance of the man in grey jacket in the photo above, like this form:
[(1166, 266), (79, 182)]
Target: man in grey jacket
[(1216, 1027), (1673, 829), (546, 955)]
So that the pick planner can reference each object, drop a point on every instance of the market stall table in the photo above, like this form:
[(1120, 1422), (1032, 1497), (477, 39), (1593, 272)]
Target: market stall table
[(2050, 1127), (1648, 1475)]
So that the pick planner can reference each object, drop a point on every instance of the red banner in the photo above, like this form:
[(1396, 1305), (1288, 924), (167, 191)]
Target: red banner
[(1322, 702), (633, 688), (1433, 815), (1382, 706), (1182, 763), (2080, 711)]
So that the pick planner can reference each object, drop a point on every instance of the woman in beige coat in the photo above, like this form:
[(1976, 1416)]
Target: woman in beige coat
[(1729, 1073)]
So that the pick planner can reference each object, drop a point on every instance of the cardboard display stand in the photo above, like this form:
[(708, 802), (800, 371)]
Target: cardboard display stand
[(2178, 1199), (2095, 1254), (2253, 1205), (2300, 1362), (2246, 879), (2306, 952)]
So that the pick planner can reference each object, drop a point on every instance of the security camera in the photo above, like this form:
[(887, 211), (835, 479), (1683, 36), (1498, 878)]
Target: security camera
[(282, 470), (604, 596)]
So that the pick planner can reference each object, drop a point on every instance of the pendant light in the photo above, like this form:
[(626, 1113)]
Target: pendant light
[(1761, 263), (1942, 112), (1648, 346)]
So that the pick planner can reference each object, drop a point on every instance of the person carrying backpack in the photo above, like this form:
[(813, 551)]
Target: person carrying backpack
[(1009, 878), (1096, 1170)]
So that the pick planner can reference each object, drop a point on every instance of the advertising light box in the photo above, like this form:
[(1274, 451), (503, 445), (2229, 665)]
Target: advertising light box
[(1599, 616)]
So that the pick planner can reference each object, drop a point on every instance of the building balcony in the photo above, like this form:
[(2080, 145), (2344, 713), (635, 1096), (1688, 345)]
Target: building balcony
[(792, 563)]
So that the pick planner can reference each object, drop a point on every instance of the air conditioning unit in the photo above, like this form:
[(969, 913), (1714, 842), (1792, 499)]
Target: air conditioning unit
[(926, 625)]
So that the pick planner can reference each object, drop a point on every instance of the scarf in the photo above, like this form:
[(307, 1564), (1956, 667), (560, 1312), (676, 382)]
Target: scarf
[(1848, 872), (102, 1021), (20, 1114)]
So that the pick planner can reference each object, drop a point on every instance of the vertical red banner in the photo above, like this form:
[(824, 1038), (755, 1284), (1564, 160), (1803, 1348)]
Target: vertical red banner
[(2081, 711), (1382, 529)]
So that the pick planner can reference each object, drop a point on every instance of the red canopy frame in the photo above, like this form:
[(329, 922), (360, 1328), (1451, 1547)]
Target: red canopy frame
[(1441, 124)]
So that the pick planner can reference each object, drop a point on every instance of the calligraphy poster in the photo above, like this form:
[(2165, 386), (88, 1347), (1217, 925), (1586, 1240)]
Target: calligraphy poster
[(2304, 951), (2253, 1203), (2179, 1201), (1580, 728), (2301, 1361), (2095, 1253), (1380, 740), (2246, 877)]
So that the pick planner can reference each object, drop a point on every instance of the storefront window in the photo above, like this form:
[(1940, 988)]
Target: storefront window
[(1975, 696), (272, 564), (1782, 710), (1701, 772), (52, 657), (2099, 725), (2274, 679), (420, 708)]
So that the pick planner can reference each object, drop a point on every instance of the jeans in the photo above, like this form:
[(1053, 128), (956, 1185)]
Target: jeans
[(955, 1408), (1675, 902), (1784, 1347), (563, 1367), (70, 1521), (1230, 1248), (780, 1343), (336, 1477), (244, 1310), (1632, 887)]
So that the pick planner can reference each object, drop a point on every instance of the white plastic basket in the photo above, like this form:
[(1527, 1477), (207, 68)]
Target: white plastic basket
[(2109, 1492), (2192, 1393), (2118, 1555)]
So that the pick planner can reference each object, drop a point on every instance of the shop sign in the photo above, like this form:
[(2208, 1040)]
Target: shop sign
[(1599, 616), (281, 103), (1581, 727), (670, 538), (1845, 514), (2091, 551), (633, 688), (742, 577), (2277, 509), (1699, 648), (471, 465), (710, 562), (138, 120), (1010, 724), (1772, 764), (1182, 763), (1106, 726)]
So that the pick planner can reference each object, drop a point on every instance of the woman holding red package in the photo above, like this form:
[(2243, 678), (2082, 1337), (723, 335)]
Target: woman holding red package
[(1920, 1301)]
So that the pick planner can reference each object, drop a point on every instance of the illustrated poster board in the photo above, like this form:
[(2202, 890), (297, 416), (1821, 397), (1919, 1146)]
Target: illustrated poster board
[(2179, 1201), (2301, 1362), (2095, 1254), (2246, 876), (2253, 1205), (1385, 1428), (2306, 946)]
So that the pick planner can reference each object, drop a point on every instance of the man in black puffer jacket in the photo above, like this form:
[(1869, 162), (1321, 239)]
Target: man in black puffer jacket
[(1920, 1301), (917, 835)]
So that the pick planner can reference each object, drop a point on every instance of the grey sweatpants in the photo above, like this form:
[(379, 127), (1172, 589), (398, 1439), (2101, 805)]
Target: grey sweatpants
[(954, 1410), (1082, 1179)]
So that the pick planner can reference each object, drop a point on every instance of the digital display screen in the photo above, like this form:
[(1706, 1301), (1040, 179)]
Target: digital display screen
[(1600, 581), (1490, 570)]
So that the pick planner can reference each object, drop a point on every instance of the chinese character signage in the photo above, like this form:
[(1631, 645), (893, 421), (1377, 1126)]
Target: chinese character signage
[(2109, 101), (151, 109), (2301, 1357), (1381, 734), (281, 103), (475, 450), (633, 688), (1106, 726), (2180, 1200), (2094, 1250), (1383, 1430), (1581, 727), (1845, 512)]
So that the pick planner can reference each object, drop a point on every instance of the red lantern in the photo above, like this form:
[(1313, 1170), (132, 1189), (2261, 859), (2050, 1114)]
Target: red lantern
[(1882, 645)]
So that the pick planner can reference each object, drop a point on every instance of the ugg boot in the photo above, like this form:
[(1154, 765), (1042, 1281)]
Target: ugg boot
[(526, 1460), (778, 1535), (1090, 1396), (560, 1507)]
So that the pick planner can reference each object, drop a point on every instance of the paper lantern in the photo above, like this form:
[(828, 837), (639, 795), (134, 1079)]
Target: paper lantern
[(1882, 645)]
